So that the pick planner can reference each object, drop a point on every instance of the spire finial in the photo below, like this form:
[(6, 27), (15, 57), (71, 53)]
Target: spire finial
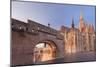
[(81, 15)]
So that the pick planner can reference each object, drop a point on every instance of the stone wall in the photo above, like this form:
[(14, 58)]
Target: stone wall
[(26, 35)]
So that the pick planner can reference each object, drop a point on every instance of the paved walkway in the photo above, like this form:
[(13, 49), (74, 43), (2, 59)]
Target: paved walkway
[(77, 57)]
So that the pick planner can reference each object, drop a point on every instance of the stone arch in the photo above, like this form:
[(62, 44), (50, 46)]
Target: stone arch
[(47, 52)]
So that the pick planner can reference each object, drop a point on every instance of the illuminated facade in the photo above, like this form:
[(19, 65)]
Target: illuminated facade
[(79, 39)]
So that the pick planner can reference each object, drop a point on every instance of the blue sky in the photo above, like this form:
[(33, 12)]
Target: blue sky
[(55, 14)]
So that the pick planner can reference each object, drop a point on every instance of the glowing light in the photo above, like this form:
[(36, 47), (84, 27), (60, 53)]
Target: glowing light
[(40, 45)]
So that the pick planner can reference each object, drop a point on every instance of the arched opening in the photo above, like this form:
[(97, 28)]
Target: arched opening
[(44, 51)]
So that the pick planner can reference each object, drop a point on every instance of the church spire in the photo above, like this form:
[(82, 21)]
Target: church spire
[(81, 16), (81, 23), (72, 25), (91, 28)]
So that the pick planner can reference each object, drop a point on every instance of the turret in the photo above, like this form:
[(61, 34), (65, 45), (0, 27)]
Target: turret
[(91, 28)]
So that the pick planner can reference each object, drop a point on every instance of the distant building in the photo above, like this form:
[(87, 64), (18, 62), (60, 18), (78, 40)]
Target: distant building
[(79, 39)]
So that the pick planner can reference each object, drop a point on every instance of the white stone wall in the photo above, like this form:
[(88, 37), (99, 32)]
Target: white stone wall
[(81, 42)]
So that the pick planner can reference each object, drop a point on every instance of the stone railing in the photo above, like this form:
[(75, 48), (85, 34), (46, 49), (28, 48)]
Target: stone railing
[(33, 28)]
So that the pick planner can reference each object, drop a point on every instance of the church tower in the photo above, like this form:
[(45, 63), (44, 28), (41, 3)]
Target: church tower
[(81, 23)]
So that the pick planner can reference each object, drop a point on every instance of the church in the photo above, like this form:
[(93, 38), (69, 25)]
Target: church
[(80, 39)]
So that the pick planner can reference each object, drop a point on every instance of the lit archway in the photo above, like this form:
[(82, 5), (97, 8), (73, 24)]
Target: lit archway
[(44, 51)]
